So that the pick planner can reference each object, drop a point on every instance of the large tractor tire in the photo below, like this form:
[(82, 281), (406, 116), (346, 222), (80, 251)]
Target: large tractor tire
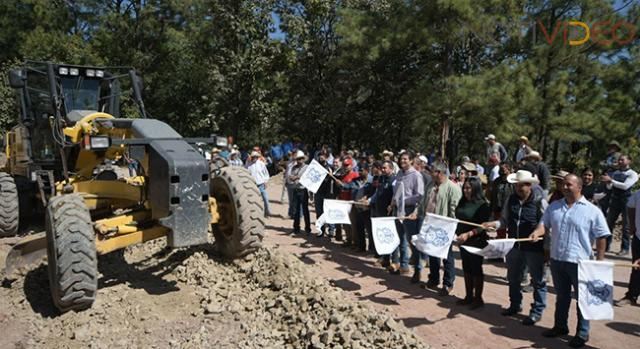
[(71, 249), (9, 206), (240, 228)]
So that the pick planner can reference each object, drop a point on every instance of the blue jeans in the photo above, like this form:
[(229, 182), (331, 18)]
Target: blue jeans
[(265, 198), (534, 262), (290, 190), (449, 269), (412, 228), (401, 253), (565, 276), (301, 207)]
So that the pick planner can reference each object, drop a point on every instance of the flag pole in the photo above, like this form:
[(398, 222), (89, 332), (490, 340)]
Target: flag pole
[(624, 265)]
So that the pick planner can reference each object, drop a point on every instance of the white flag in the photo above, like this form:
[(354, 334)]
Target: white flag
[(595, 289), (385, 235), (495, 249), (336, 211), (313, 176), (320, 222), (436, 235)]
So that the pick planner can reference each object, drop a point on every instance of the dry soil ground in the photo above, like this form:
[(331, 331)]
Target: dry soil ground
[(299, 292)]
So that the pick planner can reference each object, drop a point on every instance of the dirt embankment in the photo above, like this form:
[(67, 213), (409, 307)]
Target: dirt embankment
[(194, 299)]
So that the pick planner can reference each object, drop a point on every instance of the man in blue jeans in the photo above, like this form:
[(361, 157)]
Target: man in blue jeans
[(408, 192), (574, 223), (442, 199), (259, 172), (521, 214)]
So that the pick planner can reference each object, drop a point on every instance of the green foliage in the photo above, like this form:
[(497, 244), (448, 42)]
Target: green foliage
[(358, 73)]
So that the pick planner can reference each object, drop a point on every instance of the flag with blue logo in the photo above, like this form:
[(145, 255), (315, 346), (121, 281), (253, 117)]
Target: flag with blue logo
[(313, 176), (385, 235), (595, 289), (436, 235), (495, 248)]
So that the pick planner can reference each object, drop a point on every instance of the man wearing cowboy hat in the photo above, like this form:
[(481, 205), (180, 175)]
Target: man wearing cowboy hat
[(258, 170), (523, 149), (300, 194), (521, 215), (387, 155), (535, 165)]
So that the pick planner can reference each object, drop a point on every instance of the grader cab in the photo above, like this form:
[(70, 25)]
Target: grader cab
[(99, 182)]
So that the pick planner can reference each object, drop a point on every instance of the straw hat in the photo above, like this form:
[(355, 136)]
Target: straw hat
[(522, 176), (469, 167), (387, 152), (534, 155), (524, 139), (560, 175)]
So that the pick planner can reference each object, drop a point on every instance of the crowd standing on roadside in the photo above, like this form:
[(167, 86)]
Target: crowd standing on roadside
[(566, 217)]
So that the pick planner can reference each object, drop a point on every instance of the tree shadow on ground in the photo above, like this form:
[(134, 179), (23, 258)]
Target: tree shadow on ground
[(508, 327), (625, 327)]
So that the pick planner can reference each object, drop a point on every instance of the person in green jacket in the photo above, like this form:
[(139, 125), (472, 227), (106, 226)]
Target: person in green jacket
[(442, 200)]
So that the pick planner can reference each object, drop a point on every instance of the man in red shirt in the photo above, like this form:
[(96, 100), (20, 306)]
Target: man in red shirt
[(345, 181)]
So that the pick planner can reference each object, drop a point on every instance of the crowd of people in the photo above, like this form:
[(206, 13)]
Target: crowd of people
[(565, 217)]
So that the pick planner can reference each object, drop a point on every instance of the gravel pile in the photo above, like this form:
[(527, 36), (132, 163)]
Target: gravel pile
[(194, 299)]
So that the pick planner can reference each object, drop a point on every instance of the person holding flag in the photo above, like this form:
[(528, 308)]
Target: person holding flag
[(473, 207), (442, 200), (408, 192), (574, 223), (325, 190), (521, 214), (300, 194)]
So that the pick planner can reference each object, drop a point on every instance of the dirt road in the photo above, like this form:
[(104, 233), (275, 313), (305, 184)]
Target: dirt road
[(438, 320), (302, 291)]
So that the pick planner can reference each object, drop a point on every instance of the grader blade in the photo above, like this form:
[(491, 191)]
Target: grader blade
[(26, 253)]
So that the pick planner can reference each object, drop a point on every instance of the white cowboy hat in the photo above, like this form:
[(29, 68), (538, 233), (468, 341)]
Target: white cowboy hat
[(300, 154), (522, 176), (255, 154), (490, 136)]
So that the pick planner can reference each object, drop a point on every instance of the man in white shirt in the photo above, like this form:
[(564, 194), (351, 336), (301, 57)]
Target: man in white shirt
[(260, 173), (620, 183)]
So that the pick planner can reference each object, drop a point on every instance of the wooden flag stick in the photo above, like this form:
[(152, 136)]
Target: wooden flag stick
[(624, 265)]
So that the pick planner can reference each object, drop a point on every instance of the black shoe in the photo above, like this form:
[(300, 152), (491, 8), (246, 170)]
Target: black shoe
[(432, 285), (530, 320), (511, 311), (555, 332), (464, 301), (578, 342), (445, 291), (295, 231), (415, 279), (308, 231), (527, 288), (477, 304)]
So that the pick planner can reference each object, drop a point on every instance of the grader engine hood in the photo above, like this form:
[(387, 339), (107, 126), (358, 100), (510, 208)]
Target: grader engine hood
[(178, 188)]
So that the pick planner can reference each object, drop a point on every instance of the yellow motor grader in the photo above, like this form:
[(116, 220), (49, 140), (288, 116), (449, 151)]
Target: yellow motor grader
[(99, 182)]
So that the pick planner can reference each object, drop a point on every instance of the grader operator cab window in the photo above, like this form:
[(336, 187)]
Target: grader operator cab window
[(80, 94)]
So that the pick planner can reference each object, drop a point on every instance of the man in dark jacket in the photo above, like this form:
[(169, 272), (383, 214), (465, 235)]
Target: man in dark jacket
[(324, 192), (538, 168), (521, 215), (381, 199)]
